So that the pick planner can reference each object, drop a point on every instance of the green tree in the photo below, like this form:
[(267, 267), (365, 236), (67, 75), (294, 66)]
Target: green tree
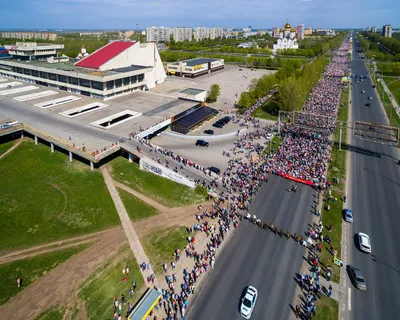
[(290, 94), (213, 93), (244, 101)]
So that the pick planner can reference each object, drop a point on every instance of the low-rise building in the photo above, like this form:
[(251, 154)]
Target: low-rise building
[(126, 35), (308, 31), (195, 67), (33, 50), (30, 35), (118, 68)]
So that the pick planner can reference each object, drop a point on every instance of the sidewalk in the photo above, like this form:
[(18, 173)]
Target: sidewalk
[(129, 230)]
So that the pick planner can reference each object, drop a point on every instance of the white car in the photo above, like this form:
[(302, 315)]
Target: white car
[(365, 242), (363, 91), (269, 136), (249, 299)]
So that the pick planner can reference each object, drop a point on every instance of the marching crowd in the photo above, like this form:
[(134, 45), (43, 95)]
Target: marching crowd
[(304, 153)]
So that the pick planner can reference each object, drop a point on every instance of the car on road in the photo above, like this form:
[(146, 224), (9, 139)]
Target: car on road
[(209, 131), (215, 170), (202, 143), (367, 104), (218, 125), (362, 91), (249, 300), (370, 98), (270, 136), (364, 242), (357, 277), (373, 86), (348, 215)]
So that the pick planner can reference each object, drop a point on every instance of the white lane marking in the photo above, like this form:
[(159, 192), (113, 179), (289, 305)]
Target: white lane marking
[(349, 299)]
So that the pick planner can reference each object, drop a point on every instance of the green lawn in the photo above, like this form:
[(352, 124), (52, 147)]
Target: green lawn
[(165, 191), (327, 309), (337, 170), (100, 288), (4, 146), (136, 208), (45, 198), (275, 143), (268, 111), (29, 270), (394, 87), (161, 244), (54, 313)]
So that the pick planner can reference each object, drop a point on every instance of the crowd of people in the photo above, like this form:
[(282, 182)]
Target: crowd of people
[(304, 154)]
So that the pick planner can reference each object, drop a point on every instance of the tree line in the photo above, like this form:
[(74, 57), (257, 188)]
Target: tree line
[(373, 51), (389, 69)]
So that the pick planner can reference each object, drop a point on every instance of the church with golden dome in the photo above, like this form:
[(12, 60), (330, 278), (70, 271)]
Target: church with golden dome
[(287, 39)]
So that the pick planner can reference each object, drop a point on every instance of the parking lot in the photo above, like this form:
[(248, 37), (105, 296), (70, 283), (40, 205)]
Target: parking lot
[(232, 82)]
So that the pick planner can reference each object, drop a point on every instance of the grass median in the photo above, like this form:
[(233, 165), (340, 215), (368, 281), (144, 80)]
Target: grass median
[(45, 198), (165, 191), (268, 111), (5, 146), (53, 313), (99, 289), (327, 309), (136, 208), (31, 269), (273, 146), (161, 244)]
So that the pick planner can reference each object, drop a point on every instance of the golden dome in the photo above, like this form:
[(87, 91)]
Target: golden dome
[(292, 30), (288, 26), (280, 30)]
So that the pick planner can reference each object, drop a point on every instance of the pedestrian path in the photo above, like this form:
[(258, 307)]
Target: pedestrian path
[(129, 230)]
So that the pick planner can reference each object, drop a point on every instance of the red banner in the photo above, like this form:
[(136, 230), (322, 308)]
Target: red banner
[(307, 182)]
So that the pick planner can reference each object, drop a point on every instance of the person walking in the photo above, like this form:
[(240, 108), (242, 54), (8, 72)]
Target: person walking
[(297, 311), (19, 282)]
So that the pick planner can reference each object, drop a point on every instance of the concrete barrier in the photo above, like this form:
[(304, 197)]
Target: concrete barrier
[(205, 137)]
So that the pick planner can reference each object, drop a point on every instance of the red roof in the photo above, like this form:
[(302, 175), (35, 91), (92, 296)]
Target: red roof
[(104, 54)]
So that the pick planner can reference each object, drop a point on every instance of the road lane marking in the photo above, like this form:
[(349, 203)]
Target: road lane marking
[(349, 299)]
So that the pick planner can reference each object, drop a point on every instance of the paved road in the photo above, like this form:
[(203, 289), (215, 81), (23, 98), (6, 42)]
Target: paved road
[(375, 199), (259, 258)]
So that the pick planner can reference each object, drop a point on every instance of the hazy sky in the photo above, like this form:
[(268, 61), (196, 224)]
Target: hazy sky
[(125, 14)]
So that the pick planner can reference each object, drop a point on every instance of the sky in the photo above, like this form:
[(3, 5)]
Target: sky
[(132, 14)]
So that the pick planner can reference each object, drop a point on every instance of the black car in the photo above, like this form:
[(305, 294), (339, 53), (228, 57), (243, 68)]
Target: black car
[(367, 104), (373, 86), (209, 131), (202, 143), (215, 170), (225, 120), (218, 125)]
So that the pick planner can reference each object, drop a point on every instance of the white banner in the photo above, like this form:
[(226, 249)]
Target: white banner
[(154, 167), (153, 129)]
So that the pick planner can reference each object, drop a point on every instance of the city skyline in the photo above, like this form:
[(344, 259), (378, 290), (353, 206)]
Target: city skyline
[(121, 14)]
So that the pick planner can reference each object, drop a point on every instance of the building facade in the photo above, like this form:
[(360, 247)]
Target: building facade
[(201, 33), (308, 31), (30, 35), (287, 39), (275, 32), (373, 29), (300, 32), (126, 35), (195, 67), (118, 68), (182, 34), (34, 51), (158, 34), (216, 33), (387, 31)]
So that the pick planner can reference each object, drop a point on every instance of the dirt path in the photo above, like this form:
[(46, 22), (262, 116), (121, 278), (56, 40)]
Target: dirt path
[(11, 149), (141, 196)]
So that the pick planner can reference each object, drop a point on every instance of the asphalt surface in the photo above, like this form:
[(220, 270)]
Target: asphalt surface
[(374, 196), (259, 258)]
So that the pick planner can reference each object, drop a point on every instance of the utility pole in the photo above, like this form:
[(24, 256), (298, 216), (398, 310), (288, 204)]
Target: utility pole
[(279, 122)]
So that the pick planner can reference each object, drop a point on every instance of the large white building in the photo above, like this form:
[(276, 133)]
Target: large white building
[(201, 33), (195, 67), (216, 33), (118, 68), (182, 34), (33, 50), (158, 34), (287, 39), (30, 35)]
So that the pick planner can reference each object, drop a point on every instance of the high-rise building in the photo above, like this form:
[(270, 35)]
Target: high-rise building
[(373, 29), (308, 31), (275, 32), (201, 33), (300, 32), (182, 34), (158, 34), (246, 29), (216, 33), (387, 30)]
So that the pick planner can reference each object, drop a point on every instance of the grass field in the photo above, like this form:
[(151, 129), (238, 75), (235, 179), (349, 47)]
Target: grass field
[(29, 270), (100, 288), (161, 244), (394, 87), (54, 313), (45, 198), (136, 208), (273, 146), (5, 146), (268, 111), (165, 191), (327, 309)]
